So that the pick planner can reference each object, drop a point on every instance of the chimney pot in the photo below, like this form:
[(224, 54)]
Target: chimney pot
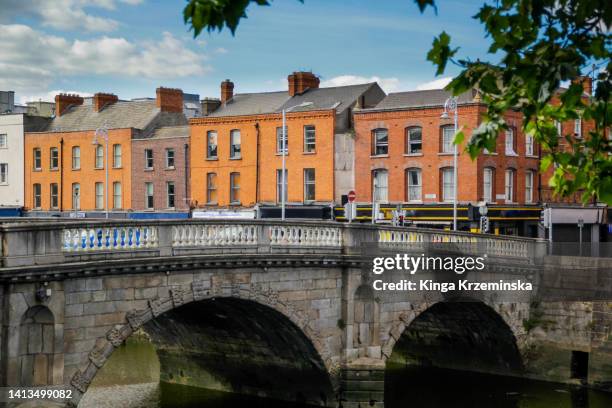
[(300, 82), (209, 105), (64, 101), (100, 100), (586, 82)]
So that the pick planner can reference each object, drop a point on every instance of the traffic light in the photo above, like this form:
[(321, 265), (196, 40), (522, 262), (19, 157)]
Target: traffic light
[(484, 224)]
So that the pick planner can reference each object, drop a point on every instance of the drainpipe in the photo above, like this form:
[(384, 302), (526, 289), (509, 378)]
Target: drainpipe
[(257, 163), (187, 175), (61, 186)]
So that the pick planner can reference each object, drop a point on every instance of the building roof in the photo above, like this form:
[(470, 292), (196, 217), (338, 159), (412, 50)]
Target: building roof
[(338, 98), (419, 99), (169, 132), (120, 115)]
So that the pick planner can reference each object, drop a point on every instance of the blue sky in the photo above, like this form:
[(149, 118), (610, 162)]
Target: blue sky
[(129, 47)]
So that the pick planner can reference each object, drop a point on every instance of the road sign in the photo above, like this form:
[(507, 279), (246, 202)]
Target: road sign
[(351, 196)]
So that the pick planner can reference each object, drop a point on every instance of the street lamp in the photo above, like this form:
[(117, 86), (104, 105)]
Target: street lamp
[(284, 154), (451, 105), (103, 133)]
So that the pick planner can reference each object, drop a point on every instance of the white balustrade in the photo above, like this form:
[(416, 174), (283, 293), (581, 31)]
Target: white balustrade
[(300, 235), (109, 238), (214, 235)]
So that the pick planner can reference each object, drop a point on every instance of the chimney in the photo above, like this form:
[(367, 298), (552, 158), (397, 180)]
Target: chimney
[(209, 105), (169, 99), (64, 101), (100, 100), (301, 81), (586, 82), (227, 91)]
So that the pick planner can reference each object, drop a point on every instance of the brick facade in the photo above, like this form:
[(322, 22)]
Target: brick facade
[(160, 174)]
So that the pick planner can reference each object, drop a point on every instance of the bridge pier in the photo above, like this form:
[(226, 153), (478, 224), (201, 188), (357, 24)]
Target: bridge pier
[(363, 384)]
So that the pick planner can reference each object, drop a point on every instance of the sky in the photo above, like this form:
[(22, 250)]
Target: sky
[(130, 47)]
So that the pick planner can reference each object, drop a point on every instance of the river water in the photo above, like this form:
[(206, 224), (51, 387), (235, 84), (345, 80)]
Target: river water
[(131, 380)]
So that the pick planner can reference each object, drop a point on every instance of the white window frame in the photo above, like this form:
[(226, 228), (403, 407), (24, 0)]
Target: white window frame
[(37, 158), (212, 149), (529, 178), (53, 197), (76, 157), (117, 195), (414, 192), (509, 187), (149, 193), (529, 145), (487, 185), (3, 141), (578, 128), (380, 185), (279, 140), (234, 188), (4, 174), (76, 198), (235, 148), (410, 142), (378, 143), (99, 193), (99, 157), (448, 184), (509, 142), (117, 156), (37, 196), (149, 159), (170, 155), (310, 179), (170, 196), (310, 139), (211, 188), (279, 183), (448, 136)]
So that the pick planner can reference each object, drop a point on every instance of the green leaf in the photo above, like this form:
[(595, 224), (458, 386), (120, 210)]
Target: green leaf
[(441, 52)]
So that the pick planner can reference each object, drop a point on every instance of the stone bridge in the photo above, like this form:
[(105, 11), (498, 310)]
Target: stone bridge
[(283, 310)]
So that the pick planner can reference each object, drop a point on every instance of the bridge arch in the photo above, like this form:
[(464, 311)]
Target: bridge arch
[(284, 321), (478, 336)]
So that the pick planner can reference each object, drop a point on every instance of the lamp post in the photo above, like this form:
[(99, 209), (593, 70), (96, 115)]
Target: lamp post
[(284, 154), (451, 105), (103, 133)]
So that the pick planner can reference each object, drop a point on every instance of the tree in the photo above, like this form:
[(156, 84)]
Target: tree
[(536, 46)]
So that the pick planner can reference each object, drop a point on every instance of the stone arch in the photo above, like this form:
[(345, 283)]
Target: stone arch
[(504, 319), (37, 346), (201, 291)]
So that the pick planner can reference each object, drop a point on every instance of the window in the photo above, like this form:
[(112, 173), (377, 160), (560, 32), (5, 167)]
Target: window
[(117, 193), (53, 158), (76, 196), (448, 135), (488, 178), (309, 139), (169, 158), (170, 194), (76, 157), (414, 140), (380, 183), (279, 184), (99, 157), (99, 196), (509, 185), (54, 196), (529, 145), (149, 199), (448, 184), (3, 173), (559, 127), (380, 142), (37, 159), (211, 188), (3, 140), (279, 140), (309, 185), (529, 186), (510, 142), (578, 128), (211, 144), (414, 184), (235, 144), (36, 203), (234, 188), (149, 159), (116, 156)]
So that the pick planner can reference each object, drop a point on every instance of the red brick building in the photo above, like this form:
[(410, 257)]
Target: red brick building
[(404, 154), (160, 173)]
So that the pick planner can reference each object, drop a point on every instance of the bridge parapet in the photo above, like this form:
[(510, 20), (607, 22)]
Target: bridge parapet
[(46, 242)]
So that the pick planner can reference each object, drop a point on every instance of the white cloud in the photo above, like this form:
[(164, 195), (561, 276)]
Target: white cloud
[(50, 96), (221, 50), (387, 84), (31, 59), (70, 15), (435, 84)]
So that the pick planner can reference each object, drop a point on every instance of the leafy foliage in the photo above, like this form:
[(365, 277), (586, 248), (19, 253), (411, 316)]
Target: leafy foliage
[(540, 45)]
